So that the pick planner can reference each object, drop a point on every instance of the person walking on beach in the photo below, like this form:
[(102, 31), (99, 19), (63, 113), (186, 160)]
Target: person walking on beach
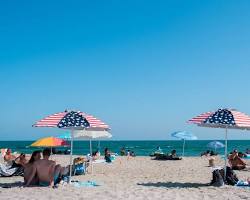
[(128, 154)]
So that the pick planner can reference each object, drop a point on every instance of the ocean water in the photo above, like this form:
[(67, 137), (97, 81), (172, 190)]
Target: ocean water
[(141, 148)]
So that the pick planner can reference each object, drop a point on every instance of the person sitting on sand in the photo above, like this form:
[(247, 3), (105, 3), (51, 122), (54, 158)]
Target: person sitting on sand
[(247, 151), (236, 162), (107, 155), (123, 151), (46, 170), (206, 153), (173, 154), (95, 155), (212, 153), (133, 154), (36, 155), (242, 155), (21, 160)]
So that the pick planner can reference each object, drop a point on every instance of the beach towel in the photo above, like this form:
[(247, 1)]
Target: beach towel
[(3, 152), (243, 184), (99, 161), (85, 184), (6, 170)]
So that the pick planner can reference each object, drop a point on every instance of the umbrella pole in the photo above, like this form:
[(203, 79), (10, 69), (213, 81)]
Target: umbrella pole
[(99, 145), (183, 148), (90, 150), (71, 153), (225, 154)]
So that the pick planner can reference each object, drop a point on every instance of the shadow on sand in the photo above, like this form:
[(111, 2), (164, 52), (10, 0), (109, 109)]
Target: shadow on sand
[(174, 185), (11, 185)]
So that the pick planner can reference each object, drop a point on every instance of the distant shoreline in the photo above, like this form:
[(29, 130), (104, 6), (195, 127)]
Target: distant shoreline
[(128, 140)]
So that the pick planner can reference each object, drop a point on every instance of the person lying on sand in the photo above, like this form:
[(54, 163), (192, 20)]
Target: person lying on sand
[(236, 162), (15, 161), (8, 157), (173, 154), (46, 171)]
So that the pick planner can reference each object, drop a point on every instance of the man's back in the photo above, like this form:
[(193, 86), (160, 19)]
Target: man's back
[(45, 170)]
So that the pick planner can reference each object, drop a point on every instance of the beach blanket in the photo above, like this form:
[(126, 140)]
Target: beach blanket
[(85, 184), (243, 184), (99, 161), (6, 170)]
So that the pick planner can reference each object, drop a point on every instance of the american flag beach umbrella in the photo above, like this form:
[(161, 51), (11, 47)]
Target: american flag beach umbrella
[(72, 120), (223, 118)]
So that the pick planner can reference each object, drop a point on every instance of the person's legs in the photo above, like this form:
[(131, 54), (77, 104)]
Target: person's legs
[(238, 167), (57, 173)]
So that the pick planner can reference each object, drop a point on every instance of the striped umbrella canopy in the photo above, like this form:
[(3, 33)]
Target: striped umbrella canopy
[(184, 135), (73, 120), (223, 118), (49, 142)]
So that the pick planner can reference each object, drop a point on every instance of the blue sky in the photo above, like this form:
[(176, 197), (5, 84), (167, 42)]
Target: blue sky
[(144, 67)]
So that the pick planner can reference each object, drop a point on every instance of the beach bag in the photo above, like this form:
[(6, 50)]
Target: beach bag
[(217, 179), (231, 177)]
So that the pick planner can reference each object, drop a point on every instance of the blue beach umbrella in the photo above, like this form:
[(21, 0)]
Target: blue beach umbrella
[(184, 135), (215, 145), (65, 136)]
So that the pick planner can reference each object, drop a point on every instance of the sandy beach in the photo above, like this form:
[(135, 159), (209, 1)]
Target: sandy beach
[(137, 178)]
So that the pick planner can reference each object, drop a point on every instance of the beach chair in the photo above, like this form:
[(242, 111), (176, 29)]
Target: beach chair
[(3, 152), (79, 166)]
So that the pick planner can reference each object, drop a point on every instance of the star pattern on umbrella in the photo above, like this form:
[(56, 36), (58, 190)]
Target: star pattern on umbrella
[(73, 119), (222, 116)]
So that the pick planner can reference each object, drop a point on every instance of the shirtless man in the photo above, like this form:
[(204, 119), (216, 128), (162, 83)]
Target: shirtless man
[(236, 162), (8, 156), (46, 170)]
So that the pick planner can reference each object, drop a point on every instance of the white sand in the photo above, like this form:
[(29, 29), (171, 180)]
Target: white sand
[(138, 178)]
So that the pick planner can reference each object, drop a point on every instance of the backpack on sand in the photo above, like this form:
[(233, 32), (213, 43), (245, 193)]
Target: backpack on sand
[(217, 179)]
